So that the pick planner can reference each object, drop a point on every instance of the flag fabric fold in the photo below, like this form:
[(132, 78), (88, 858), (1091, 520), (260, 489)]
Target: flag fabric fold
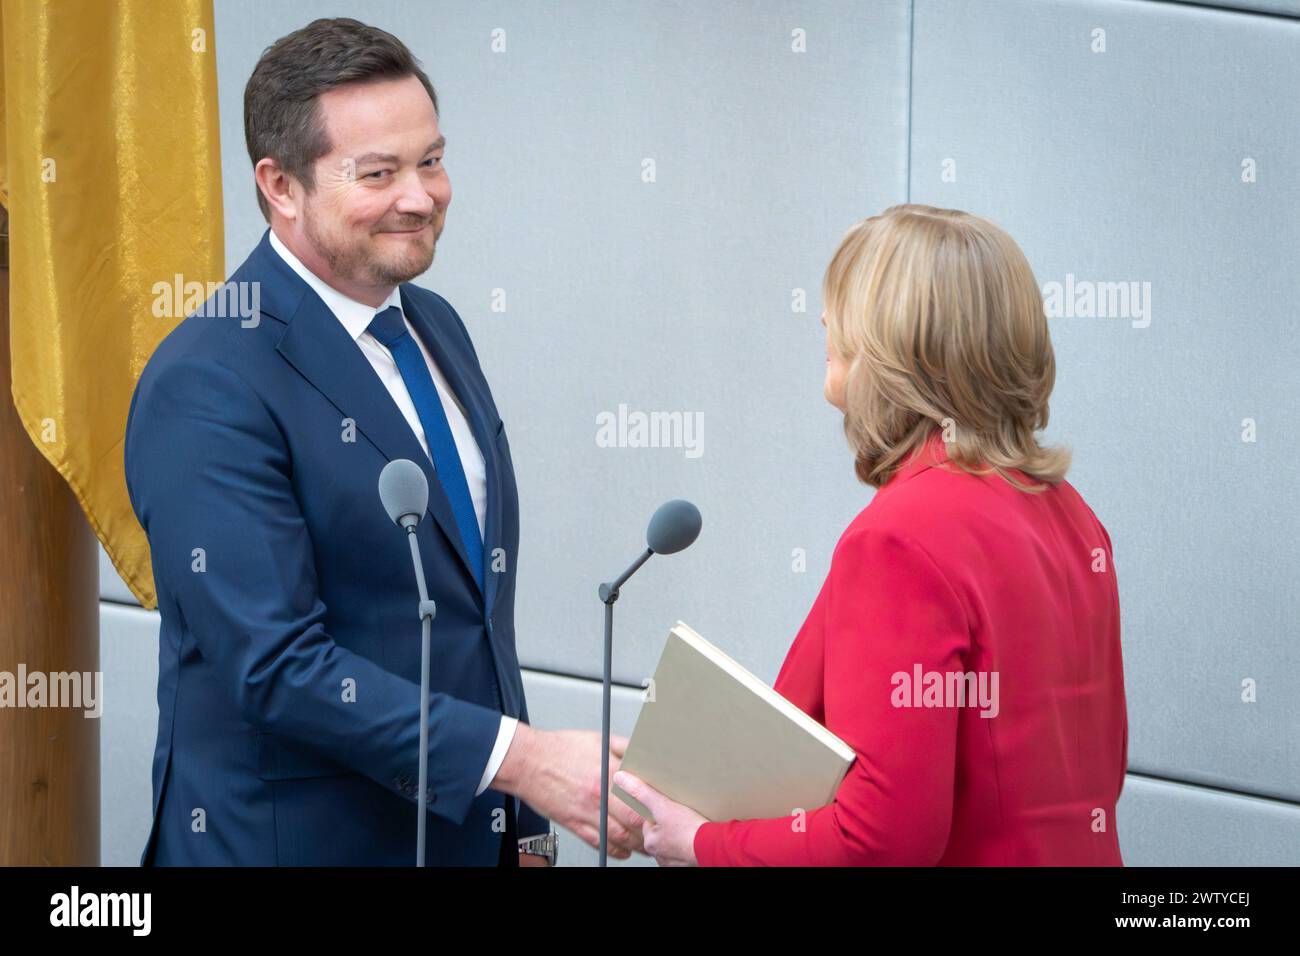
[(110, 169)]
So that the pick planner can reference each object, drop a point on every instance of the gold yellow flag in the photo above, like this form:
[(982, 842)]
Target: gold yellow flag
[(110, 169)]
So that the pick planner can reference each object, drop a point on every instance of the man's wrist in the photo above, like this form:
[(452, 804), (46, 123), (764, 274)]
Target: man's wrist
[(517, 765)]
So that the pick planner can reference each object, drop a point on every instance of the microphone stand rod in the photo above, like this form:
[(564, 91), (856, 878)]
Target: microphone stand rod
[(427, 609), (608, 595)]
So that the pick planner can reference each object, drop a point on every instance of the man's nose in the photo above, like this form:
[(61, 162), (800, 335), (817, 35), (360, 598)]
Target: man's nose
[(415, 199)]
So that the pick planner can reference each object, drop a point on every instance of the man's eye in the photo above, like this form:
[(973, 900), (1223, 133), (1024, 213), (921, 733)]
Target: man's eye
[(376, 173), (432, 161)]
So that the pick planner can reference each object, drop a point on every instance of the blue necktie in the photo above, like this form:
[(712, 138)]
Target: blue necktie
[(388, 327)]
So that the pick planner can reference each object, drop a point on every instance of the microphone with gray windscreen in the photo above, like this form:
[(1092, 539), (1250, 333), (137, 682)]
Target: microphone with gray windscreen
[(674, 527), (404, 491)]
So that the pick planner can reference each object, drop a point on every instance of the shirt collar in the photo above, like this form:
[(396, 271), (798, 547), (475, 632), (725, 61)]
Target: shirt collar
[(932, 451), (355, 316)]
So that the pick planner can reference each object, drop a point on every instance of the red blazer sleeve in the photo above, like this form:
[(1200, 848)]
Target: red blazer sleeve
[(1123, 768), (888, 609)]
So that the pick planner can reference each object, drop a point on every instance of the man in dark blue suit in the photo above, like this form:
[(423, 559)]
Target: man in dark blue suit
[(289, 665)]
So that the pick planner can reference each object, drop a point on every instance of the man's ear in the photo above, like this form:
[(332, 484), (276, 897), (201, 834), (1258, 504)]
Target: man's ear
[(279, 189)]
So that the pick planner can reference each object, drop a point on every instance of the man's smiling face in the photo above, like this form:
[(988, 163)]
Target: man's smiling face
[(381, 192)]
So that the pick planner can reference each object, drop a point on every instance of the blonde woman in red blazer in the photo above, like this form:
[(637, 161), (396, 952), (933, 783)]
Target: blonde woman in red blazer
[(966, 642)]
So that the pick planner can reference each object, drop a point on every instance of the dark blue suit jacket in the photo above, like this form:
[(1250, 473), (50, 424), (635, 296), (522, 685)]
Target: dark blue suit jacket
[(289, 681)]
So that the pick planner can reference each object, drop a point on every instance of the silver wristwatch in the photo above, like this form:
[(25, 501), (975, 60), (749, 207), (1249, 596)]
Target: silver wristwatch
[(545, 845)]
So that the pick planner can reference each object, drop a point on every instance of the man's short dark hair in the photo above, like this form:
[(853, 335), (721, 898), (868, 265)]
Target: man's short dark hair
[(282, 118)]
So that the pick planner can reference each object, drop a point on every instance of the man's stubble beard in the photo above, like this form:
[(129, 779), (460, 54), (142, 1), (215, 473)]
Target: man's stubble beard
[(356, 263)]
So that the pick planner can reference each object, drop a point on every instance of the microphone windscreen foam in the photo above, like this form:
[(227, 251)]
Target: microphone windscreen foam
[(404, 490), (674, 527)]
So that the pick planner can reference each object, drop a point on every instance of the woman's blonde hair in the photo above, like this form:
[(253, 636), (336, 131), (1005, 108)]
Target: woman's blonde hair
[(939, 318)]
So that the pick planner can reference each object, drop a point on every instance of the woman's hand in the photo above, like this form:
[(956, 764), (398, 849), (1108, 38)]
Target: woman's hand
[(670, 836)]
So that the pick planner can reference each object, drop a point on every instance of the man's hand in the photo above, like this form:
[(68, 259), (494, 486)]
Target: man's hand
[(532, 859), (557, 773)]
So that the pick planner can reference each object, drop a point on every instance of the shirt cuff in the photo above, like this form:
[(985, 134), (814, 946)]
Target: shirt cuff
[(504, 736)]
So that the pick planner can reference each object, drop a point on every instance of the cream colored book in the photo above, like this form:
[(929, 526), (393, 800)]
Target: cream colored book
[(714, 737)]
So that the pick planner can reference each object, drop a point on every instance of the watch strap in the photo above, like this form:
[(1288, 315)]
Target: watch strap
[(546, 844)]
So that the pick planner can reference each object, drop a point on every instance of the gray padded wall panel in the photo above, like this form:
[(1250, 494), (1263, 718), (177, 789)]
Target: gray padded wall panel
[(1288, 8), (671, 296), (1162, 823), (128, 653), (111, 585), (1126, 166)]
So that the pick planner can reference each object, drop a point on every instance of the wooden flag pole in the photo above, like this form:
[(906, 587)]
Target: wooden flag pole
[(49, 625)]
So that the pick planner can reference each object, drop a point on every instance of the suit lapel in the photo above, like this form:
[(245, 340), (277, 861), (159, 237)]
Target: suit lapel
[(318, 346)]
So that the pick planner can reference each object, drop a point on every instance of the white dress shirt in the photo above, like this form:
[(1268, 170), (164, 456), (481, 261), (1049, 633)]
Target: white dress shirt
[(356, 317)]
